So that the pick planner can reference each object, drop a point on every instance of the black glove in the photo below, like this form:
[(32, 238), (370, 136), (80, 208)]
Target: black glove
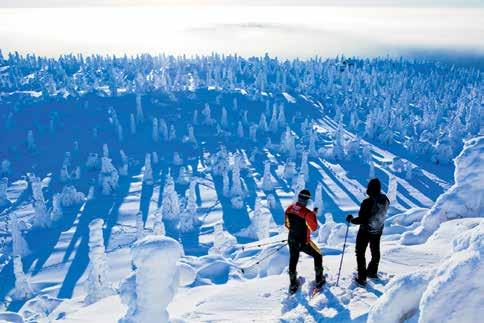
[(349, 217), (315, 210)]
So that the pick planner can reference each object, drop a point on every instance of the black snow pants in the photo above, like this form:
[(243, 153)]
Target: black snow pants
[(295, 247), (363, 238)]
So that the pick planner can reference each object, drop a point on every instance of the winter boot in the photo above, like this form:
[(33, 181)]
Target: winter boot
[(294, 282), (360, 281), (320, 280)]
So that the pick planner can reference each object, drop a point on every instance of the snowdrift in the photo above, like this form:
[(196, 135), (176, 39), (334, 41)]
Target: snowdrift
[(451, 292), (463, 200)]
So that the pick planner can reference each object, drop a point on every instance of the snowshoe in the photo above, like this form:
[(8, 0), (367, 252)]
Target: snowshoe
[(294, 287)]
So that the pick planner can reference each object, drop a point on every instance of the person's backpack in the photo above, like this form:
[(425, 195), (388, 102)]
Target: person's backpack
[(378, 214)]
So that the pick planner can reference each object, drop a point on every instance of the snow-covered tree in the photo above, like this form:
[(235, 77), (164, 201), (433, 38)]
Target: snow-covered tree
[(223, 120), (225, 184), (148, 171), (16, 227), (189, 215), (56, 213), (98, 284), (139, 111), (105, 151), (271, 201), (289, 169), (140, 226), (260, 221), (158, 225), (108, 177), (263, 124), (298, 184), (240, 130), (392, 189), (177, 160), (183, 176), (170, 207), (222, 240), (132, 124), (153, 284), (42, 218), (5, 168), (236, 189), (267, 183), (4, 201), (70, 196), (318, 198), (304, 165), (155, 131), (22, 289)]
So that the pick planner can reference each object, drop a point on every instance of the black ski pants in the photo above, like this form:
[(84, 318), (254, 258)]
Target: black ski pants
[(363, 238), (295, 247)]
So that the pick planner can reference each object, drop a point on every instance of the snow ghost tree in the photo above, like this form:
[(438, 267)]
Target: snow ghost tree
[(298, 185), (98, 284), (139, 110), (148, 171), (260, 221), (289, 169), (105, 151), (5, 168), (183, 176), (240, 130), (225, 183), (392, 189), (177, 160), (42, 218), (108, 177), (4, 201), (222, 241), (151, 287), (236, 182), (20, 246), (70, 196), (132, 124), (318, 198), (338, 143), (304, 165), (56, 212), (267, 183), (22, 289), (158, 225), (189, 214), (93, 161), (123, 170), (140, 226), (155, 132), (170, 206)]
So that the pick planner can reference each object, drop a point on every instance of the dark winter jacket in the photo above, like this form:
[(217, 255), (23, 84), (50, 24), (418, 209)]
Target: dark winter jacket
[(300, 221), (372, 213)]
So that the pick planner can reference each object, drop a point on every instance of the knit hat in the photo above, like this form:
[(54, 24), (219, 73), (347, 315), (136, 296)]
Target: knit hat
[(304, 195)]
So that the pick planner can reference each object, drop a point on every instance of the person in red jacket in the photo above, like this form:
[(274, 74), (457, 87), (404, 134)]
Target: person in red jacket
[(301, 221)]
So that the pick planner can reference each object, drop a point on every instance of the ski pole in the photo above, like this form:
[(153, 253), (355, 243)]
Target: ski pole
[(263, 258), (262, 244), (343, 253)]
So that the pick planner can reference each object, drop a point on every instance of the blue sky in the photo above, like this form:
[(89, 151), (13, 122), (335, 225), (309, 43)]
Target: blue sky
[(90, 3)]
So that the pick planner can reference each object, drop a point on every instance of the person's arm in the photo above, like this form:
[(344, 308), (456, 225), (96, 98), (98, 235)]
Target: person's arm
[(286, 219), (311, 221), (364, 213)]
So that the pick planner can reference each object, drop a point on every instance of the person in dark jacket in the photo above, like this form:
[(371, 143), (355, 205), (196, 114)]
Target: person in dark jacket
[(371, 218), (301, 221)]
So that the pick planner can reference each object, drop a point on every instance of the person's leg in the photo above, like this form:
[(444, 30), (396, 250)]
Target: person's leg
[(293, 259), (313, 250), (372, 270), (361, 245)]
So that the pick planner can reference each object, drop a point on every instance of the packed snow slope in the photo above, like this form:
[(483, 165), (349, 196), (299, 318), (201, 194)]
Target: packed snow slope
[(151, 187)]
